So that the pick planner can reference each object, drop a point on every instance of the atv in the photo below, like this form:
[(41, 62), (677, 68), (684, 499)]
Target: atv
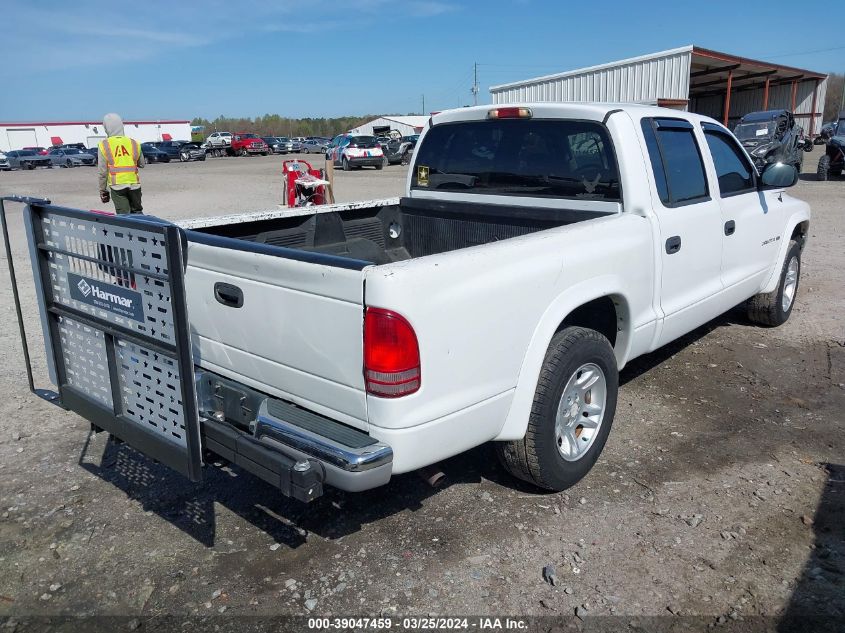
[(833, 161), (773, 136)]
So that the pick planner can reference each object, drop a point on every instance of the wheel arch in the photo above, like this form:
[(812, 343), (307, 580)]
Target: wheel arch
[(797, 227), (598, 305)]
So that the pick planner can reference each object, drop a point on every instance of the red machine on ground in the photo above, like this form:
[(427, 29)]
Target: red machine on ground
[(304, 185)]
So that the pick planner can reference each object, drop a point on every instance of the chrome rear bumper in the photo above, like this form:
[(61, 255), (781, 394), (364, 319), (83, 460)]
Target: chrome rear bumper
[(350, 459)]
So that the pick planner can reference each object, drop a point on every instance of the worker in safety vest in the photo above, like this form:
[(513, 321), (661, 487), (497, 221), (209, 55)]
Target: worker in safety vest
[(119, 160)]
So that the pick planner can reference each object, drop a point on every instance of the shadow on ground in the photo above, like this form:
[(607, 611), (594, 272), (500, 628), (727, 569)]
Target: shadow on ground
[(190, 507), (818, 600)]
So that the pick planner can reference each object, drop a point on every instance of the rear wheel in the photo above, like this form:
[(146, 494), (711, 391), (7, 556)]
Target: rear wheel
[(68, 163), (30, 165), (184, 157), (572, 413), (346, 166), (823, 170), (244, 152), (773, 308)]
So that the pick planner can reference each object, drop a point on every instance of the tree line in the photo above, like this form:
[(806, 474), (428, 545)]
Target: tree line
[(277, 125)]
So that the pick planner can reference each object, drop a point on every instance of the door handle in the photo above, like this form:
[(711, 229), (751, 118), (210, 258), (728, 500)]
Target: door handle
[(229, 295), (730, 227), (673, 244)]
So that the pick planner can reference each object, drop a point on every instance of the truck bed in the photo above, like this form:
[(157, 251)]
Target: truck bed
[(386, 233)]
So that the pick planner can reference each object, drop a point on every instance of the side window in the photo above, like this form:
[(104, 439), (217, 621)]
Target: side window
[(734, 173), (656, 160), (682, 166)]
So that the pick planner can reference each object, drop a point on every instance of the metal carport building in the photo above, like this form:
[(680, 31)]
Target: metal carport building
[(701, 80)]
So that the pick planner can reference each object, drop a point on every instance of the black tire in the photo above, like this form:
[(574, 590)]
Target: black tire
[(346, 165), (536, 458), (184, 157), (30, 165), (68, 163), (381, 165), (244, 152), (767, 308), (823, 170)]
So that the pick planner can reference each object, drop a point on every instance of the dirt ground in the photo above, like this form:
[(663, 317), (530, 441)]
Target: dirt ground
[(719, 494)]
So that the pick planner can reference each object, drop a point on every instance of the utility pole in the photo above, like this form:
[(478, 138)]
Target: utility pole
[(475, 84), (423, 103)]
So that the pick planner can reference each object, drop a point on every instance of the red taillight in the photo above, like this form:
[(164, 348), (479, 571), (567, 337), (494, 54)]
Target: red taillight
[(510, 113), (391, 355)]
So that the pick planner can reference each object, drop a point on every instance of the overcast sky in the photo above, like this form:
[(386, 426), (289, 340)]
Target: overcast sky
[(152, 59)]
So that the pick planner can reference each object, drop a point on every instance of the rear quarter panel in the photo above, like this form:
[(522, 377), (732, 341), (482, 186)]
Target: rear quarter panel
[(481, 313)]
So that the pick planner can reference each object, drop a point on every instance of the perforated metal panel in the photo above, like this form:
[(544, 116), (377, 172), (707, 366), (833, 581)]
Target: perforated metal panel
[(150, 390), (85, 361), (141, 251), (114, 296)]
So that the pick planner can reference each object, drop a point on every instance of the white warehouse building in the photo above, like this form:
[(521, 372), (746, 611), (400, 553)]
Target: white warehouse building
[(720, 85), (405, 125), (90, 133)]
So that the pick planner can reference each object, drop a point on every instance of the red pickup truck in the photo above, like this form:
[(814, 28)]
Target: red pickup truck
[(245, 143)]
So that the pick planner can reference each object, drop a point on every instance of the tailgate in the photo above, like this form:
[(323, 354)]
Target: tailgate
[(287, 323)]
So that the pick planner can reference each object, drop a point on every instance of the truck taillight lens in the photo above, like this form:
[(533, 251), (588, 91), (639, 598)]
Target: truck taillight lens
[(391, 355)]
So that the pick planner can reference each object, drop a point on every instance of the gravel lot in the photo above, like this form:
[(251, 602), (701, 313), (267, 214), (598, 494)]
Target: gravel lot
[(719, 494)]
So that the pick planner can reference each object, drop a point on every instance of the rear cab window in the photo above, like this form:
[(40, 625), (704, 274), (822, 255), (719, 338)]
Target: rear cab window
[(676, 161), (539, 158)]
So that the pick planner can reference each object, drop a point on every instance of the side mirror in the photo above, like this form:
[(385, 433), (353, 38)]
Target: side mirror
[(778, 176)]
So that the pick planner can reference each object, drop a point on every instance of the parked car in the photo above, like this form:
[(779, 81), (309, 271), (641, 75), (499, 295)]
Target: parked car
[(354, 151), (833, 161), (38, 150), (247, 143), (4, 162), (191, 151), (171, 148), (219, 140), (27, 159), (95, 152), (295, 146), (275, 144), (315, 145), (772, 136), (79, 146), (71, 157), (153, 154)]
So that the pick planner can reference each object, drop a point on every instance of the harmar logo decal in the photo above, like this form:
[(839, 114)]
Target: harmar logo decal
[(106, 296), (84, 287)]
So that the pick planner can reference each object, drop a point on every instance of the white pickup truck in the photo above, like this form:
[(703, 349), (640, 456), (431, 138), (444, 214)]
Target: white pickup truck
[(538, 249)]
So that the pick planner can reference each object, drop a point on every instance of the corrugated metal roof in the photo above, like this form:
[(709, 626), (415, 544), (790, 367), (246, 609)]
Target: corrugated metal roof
[(413, 121), (591, 69)]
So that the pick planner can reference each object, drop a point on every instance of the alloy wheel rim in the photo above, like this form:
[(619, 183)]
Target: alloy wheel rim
[(790, 284), (580, 412)]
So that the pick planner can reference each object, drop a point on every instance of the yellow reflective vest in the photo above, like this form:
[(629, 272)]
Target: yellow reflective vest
[(122, 154)]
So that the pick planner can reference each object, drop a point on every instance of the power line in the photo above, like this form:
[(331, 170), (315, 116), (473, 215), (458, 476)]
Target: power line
[(818, 50)]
